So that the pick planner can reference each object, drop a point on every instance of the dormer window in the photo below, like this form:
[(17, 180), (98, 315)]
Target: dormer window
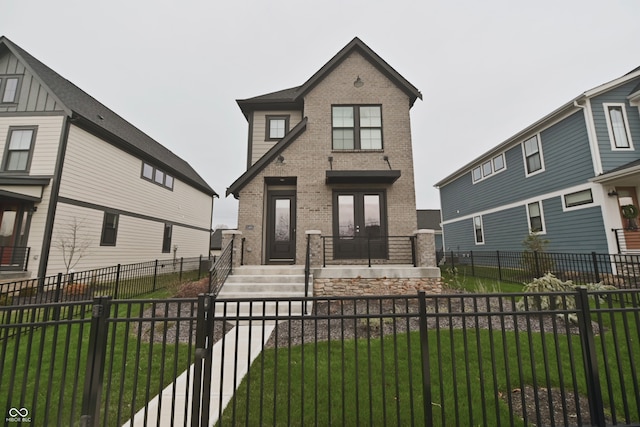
[(277, 127), (9, 89)]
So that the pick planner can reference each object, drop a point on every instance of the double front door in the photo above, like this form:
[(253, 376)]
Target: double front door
[(360, 230)]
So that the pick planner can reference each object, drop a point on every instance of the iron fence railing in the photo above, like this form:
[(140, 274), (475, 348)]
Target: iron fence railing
[(464, 359), (222, 268), (619, 270), (14, 258), (368, 250), (120, 281)]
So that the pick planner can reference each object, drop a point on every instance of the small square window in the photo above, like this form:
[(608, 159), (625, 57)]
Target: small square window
[(477, 174), (9, 89), (159, 176), (498, 163), (168, 181), (486, 169), (277, 127), (356, 127), (109, 229)]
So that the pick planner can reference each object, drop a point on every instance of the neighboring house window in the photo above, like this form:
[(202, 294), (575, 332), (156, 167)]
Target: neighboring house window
[(166, 239), (9, 89), (536, 224), (277, 127), (357, 127), (488, 168), (19, 149), (109, 229), (578, 198), (477, 229), (532, 154), (157, 176), (618, 126)]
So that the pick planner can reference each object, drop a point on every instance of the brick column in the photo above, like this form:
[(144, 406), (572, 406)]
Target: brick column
[(425, 248), (236, 236), (315, 247)]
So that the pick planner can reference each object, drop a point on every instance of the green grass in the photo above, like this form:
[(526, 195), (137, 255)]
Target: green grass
[(461, 280), (379, 381)]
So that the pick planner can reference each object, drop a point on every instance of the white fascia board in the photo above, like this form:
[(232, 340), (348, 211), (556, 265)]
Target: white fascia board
[(610, 85), (615, 175)]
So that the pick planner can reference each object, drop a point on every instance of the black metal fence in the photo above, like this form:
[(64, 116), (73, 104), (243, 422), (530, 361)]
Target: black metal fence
[(465, 359), (120, 281), (368, 250), (621, 271)]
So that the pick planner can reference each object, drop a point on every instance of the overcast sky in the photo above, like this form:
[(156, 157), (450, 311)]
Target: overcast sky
[(174, 69)]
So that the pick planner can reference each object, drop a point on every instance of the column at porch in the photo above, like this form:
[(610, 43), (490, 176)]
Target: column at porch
[(425, 248), (236, 236), (315, 247)]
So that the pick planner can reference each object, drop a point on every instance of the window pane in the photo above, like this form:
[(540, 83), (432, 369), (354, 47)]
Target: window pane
[(346, 222), (618, 127), (17, 160), (343, 139), (21, 139), (579, 198), (342, 117), (534, 163), (531, 146), (477, 173), (372, 215), (166, 238), (486, 169), (147, 171), (370, 117), (10, 90), (109, 229), (168, 181), (159, 177), (535, 217), (371, 139), (477, 225), (283, 219), (276, 128), (498, 163)]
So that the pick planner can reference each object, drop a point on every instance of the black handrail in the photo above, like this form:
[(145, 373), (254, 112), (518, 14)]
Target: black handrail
[(221, 269), (307, 272)]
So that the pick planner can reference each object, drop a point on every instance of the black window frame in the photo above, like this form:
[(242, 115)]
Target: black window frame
[(588, 201), (166, 238), (357, 128), (8, 152), (3, 88), (268, 120), (154, 172), (109, 227)]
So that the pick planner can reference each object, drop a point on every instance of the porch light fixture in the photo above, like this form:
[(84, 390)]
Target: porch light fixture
[(358, 82), (330, 158), (386, 159), (281, 159), (612, 193)]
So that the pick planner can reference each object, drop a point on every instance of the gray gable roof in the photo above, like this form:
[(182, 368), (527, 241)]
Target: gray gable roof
[(99, 119), (293, 97)]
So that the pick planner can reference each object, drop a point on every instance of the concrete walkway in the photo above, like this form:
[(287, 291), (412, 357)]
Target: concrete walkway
[(177, 394)]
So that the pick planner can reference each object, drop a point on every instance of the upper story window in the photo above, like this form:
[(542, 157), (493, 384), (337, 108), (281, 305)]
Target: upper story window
[(357, 127), (533, 155), (19, 149), (488, 168), (157, 176), (618, 126), (9, 87), (578, 198), (536, 221), (478, 231), (277, 127)]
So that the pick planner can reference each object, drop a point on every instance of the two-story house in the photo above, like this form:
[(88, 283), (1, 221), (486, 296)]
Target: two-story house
[(332, 156), (566, 177), (72, 168)]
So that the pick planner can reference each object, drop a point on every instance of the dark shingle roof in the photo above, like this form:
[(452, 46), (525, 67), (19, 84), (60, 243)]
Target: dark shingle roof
[(102, 119)]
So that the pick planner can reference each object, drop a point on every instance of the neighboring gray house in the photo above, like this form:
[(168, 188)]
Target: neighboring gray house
[(68, 162), (565, 177), (429, 219)]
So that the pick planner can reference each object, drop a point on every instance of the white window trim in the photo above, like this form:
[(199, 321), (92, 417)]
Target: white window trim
[(544, 225), (524, 156), (605, 106), (566, 208), (473, 221), (493, 171)]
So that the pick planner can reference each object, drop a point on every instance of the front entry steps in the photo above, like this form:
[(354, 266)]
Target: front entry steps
[(260, 283)]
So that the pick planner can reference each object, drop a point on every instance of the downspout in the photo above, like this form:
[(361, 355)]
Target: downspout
[(53, 201)]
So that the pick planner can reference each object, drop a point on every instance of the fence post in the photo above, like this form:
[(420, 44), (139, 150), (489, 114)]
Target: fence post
[(537, 263), (181, 264), (155, 275), (56, 298), (453, 264), (95, 363), (424, 353), (117, 281), (595, 266), (199, 266), (203, 361), (594, 392), (473, 267), (499, 266)]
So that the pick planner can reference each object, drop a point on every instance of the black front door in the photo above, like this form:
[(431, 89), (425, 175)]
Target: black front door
[(281, 227), (359, 225)]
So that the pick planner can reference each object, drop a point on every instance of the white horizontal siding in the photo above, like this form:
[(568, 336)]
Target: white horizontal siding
[(259, 145), (99, 173)]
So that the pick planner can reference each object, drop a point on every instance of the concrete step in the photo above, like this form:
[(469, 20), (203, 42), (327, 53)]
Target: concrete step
[(265, 281), (261, 308), (269, 270), (261, 278), (251, 287)]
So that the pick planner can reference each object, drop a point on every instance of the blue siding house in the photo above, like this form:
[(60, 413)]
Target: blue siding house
[(566, 177)]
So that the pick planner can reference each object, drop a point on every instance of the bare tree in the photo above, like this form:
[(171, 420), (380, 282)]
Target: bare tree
[(72, 241)]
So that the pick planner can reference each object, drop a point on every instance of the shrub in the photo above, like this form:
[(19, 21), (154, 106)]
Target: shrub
[(534, 258), (76, 289)]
